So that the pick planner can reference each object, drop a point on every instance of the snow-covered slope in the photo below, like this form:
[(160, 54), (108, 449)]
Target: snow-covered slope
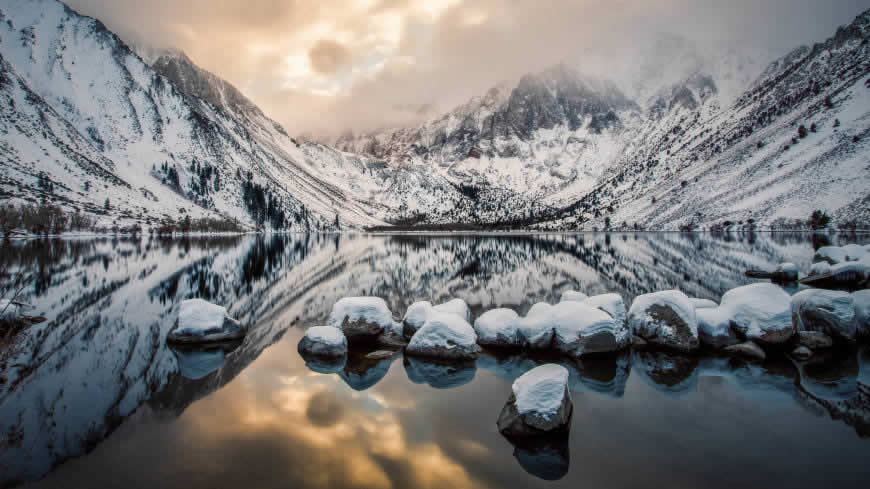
[(86, 119), (796, 140)]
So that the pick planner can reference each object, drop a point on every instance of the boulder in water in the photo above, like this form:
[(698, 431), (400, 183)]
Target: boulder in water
[(498, 328), (760, 312), (361, 318), (200, 321), (825, 311), (666, 319), (323, 341), (446, 336), (540, 403)]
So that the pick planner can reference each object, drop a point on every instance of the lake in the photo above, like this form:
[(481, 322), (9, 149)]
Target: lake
[(97, 399)]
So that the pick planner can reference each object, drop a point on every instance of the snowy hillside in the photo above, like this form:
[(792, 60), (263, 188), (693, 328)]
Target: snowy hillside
[(137, 136), (86, 121), (796, 140), (695, 139)]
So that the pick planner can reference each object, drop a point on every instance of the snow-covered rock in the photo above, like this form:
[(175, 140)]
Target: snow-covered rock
[(849, 275), (760, 312), (498, 328), (361, 318), (572, 328), (323, 341), (714, 327), (573, 295), (444, 335), (457, 307), (820, 268), (703, 303), (533, 333), (784, 273), (665, 319), (419, 312), (861, 301), (540, 403), (415, 317), (200, 321), (841, 254), (749, 350), (611, 304), (827, 311)]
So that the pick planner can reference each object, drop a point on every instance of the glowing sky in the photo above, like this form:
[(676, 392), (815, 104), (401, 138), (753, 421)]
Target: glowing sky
[(332, 64)]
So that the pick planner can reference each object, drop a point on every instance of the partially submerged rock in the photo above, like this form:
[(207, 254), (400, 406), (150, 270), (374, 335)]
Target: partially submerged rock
[(666, 319), (760, 312), (361, 318), (323, 341), (573, 296), (825, 311), (540, 403), (783, 273), (498, 328), (457, 307), (841, 254), (572, 328), (749, 350), (415, 317), (419, 312), (200, 321), (714, 327), (445, 336), (847, 275)]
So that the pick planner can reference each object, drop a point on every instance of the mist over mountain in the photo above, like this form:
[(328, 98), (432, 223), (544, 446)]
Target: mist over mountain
[(690, 137)]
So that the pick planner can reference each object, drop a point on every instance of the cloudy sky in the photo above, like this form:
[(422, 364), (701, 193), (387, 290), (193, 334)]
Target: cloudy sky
[(329, 65)]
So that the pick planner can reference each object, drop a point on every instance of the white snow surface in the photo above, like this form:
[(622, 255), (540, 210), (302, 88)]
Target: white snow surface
[(372, 310), (714, 325), (497, 326), (573, 295), (327, 335), (568, 323), (541, 390), (758, 309), (197, 317), (417, 313), (443, 330), (703, 303), (611, 304), (455, 306)]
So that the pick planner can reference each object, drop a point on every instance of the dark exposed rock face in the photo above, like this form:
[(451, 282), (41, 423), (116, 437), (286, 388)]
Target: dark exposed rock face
[(747, 350), (513, 424)]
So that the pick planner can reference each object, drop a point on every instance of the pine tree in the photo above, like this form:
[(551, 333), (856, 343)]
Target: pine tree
[(108, 204)]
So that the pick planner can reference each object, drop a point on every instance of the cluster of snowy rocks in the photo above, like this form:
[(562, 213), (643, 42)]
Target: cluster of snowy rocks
[(840, 267)]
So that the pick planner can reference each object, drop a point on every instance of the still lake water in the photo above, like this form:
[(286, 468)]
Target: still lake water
[(98, 400)]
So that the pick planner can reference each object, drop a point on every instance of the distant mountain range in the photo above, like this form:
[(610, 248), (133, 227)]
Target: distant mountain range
[(690, 141)]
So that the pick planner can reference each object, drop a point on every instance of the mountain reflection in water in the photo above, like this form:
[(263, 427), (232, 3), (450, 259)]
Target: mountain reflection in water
[(97, 379)]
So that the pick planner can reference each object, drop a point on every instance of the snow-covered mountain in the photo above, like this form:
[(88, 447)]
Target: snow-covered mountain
[(691, 138), (795, 140), (86, 121), (136, 135)]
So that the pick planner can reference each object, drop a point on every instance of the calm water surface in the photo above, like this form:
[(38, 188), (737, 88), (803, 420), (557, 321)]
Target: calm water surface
[(97, 399)]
